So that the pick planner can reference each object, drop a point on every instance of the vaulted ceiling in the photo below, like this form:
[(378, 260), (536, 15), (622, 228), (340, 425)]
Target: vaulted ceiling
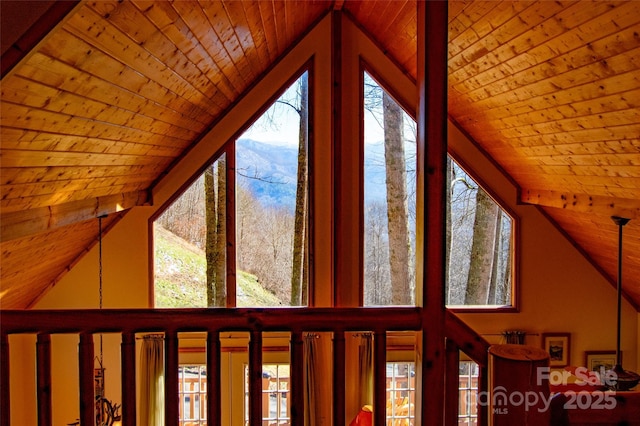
[(99, 98)]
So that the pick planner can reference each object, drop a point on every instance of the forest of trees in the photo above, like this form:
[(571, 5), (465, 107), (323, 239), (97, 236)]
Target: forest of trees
[(271, 230)]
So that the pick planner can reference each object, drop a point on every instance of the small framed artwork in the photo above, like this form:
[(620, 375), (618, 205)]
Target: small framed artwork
[(600, 360), (558, 345)]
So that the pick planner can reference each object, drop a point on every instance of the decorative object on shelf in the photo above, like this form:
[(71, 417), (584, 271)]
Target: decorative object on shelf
[(600, 361), (515, 337), (558, 345), (625, 379)]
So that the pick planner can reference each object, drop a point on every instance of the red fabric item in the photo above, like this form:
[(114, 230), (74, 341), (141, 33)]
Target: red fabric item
[(364, 418)]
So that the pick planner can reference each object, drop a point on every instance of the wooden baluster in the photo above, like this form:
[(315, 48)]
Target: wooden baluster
[(483, 386), (171, 388), (452, 383), (43, 368), (86, 371), (296, 380), (5, 399), (255, 378), (339, 408), (380, 378), (214, 391), (128, 377)]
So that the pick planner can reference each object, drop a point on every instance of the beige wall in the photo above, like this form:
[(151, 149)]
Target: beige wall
[(125, 278), (559, 291)]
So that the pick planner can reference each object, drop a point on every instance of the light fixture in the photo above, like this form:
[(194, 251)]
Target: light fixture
[(625, 379), (107, 412)]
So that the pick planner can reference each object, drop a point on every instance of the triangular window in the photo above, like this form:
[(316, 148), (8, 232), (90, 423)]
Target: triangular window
[(239, 234), (480, 256)]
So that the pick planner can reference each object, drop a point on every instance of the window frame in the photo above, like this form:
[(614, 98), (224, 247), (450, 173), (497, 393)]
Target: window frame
[(515, 244), (469, 390), (229, 148), (366, 67), (201, 394)]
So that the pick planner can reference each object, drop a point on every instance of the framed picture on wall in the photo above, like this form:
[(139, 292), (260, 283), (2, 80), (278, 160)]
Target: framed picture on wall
[(558, 345), (600, 360)]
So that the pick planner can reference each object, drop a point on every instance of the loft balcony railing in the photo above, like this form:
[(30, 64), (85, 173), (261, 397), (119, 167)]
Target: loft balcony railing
[(170, 322)]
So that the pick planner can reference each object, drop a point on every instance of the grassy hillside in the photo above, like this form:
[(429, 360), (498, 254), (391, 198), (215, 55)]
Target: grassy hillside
[(180, 277)]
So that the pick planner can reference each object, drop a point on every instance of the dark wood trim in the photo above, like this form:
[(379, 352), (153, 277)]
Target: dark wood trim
[(172, 321), (467, 340), (208, 319), (43, 379), (255, 378), (380, 377), (312, 181), (128, 379), (432, 137), (336, 147), (86, 375), (483, 385), (452, 386), (230, 226), (5, 395), (360, 191), (25, 43), (214, 380), (339, 379), (171, 385), (297, 378)]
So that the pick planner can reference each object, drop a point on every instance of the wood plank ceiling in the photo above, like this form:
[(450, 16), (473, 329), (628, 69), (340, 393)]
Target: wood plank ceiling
[(94, 113)]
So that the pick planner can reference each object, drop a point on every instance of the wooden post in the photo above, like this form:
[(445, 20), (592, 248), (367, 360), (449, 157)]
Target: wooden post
[(5, 399), (347, 169), (338, 379), (43, 355), (255, 378), (430, 243), (483, 386), (171, 388), (380, 378), (452, 384), (128, 377), (296, 379), (86, 371), (214, 394)]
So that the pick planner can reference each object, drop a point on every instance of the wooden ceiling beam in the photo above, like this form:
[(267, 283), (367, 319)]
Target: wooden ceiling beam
[(33, 221), (40, 23), (600, 205)]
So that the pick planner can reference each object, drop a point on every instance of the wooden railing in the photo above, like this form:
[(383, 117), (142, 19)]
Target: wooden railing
[(86, 323)]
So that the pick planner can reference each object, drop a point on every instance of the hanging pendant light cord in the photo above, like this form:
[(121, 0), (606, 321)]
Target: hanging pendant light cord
[(619, 289), (620, 221), (100, 276)]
